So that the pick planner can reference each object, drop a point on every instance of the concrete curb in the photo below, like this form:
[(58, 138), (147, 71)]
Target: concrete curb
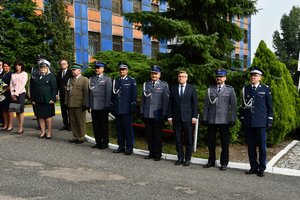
[(275, 159), (233, 165)]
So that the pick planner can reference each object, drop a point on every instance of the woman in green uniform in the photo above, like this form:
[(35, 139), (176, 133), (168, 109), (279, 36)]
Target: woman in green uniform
[(44, 96)]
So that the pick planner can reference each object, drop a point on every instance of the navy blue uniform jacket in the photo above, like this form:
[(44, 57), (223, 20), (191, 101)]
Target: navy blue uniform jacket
[(260, 113)]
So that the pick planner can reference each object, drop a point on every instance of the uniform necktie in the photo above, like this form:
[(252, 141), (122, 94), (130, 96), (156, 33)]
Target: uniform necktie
[(153, 84), (63, 73), (219, 89), (181, 90), (253, 87)]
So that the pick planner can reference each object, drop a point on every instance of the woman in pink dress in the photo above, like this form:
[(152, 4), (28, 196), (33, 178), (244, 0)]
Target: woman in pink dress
[(17, 89)]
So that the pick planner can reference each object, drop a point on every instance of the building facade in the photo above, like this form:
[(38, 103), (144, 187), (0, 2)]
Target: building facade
[(242, 53), (97, 25)]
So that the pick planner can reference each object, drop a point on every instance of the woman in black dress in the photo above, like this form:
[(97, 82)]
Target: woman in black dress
[(43, 97), (4, 105)]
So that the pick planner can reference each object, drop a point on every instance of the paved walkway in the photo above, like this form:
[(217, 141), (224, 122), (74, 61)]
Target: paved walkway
[(286, 162), (33, 169)]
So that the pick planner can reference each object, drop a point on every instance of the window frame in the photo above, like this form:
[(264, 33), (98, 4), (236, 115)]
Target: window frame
[(94, 38)]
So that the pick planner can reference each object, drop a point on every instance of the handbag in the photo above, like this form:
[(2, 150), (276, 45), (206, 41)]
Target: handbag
[(14, 107)]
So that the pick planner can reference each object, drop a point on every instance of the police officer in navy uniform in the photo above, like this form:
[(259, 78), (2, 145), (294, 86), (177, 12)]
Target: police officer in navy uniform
[(154, 108), (256, 117), (123, 105), (220, 108), (100, 87)]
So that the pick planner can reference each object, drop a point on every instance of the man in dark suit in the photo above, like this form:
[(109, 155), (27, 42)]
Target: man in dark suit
[(256, 117), (154, 107), (182, 114), (62, 78), (219, 112), (123, 106), (99, 101)]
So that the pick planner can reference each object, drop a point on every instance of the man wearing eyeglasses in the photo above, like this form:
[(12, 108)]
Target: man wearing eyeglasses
[(219, 112), (182, 114), (62, 78)]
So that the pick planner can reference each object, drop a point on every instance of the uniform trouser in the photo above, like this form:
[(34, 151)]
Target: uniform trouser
[(125, 131), (100, 126), (64, 111), (211, 141), (154, 137), (34, 111), (183, 132), (257, 136), (78, 122)]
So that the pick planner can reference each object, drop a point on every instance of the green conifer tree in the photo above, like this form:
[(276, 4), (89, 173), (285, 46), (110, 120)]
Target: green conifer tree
[(286, 102), (58, 32), (203, 29), (21, 33)]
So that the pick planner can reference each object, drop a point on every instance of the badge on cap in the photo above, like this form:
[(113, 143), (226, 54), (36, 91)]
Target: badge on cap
[(99, 64), (123, 65), (221, 72), (44, 62), (256, 70), (76, 66), (155, 69)]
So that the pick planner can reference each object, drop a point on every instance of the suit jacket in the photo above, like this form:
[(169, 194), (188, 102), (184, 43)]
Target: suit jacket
[(220, 108), (44, 89), (183, 108), (124, 96), (100, 89), (77, 92), (260, 112), (62, 82), (155, 100)]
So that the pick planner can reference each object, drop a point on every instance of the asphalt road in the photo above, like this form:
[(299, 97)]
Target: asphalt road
[(32, 168)]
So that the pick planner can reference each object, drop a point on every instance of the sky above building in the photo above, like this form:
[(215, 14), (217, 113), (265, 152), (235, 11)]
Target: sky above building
[(267, 20)]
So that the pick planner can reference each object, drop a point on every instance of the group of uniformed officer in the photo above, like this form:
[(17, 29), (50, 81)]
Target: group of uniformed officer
[(119, 96), (256, 116)]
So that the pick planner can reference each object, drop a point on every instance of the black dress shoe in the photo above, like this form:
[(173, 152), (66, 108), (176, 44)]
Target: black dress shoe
[(209, 164), (186, 163), (223, 167), (128, 152), (63, 128), (72, 141), (119, 151), (79, 141), (252, 171), (157, 158), (95, 146), (149, 156), (179, 162), (103, 146), (261, 173)]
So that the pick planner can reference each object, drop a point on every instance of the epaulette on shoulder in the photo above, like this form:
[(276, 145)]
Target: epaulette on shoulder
[(229, 86), (264, 85), (165, 82)]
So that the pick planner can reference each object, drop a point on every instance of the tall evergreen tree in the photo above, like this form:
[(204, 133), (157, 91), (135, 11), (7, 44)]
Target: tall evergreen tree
[(287, 41), (202, 28), (286, 102), (21, 36), (58, 32)]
